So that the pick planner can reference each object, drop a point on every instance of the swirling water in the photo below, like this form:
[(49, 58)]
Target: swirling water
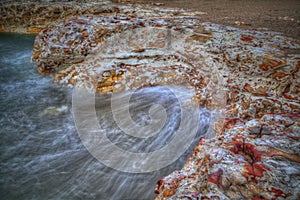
[(42, 156)]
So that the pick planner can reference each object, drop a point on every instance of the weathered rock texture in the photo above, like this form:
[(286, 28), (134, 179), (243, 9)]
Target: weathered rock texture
[(247, 75), (32, 17), (252, 68), (251, 77), (255, 159)]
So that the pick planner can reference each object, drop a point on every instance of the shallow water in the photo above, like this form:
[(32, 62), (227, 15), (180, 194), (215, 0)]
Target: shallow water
[(42, 156)]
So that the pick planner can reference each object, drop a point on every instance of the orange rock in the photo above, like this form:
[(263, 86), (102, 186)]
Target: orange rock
[(168, 193), (278, 75), (261, 90), (199, 38), (36, 54), (59, 76), (277, 152), (34, 30), (85, 33), (104, 90), (269, 64), (245, 104), (72, 81)]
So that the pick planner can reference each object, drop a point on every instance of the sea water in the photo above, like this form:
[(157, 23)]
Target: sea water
[(41, 153)]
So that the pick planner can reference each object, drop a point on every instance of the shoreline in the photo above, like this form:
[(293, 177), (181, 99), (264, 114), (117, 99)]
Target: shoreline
[(259, 72)]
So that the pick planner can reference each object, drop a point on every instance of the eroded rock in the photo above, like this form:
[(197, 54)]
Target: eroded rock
[(256, 159), (244, 74), (251, 156)]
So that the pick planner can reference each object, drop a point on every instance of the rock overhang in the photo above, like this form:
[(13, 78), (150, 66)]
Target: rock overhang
[(254, 60)]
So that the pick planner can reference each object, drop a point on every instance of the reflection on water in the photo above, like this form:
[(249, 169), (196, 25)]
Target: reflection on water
[(41, 153)]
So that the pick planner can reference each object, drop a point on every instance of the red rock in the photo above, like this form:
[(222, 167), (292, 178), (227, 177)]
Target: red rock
[(246, 39), (216, 177), (177, 29), (278, 193), (254, 170)]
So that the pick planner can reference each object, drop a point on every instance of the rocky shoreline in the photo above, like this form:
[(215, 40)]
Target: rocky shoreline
[(251, 77)]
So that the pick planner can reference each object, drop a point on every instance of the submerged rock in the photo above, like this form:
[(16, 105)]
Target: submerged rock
[(54, 111)]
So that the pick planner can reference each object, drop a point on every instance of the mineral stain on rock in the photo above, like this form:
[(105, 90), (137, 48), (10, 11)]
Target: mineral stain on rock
[(216, 177)]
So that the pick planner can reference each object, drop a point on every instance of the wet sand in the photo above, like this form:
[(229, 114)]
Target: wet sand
[(275, 15)]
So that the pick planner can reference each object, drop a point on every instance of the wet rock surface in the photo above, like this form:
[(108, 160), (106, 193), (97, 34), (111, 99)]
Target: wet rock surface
[(251, 77)]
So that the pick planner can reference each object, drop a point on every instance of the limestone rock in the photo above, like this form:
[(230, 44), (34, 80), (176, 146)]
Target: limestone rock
[(256, 159), (245, 75)]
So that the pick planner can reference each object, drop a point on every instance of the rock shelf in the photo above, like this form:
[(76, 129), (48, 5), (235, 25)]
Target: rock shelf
[(249, 76)]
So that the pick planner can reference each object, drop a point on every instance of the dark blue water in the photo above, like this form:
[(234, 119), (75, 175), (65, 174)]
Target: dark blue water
[(41, 155)]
